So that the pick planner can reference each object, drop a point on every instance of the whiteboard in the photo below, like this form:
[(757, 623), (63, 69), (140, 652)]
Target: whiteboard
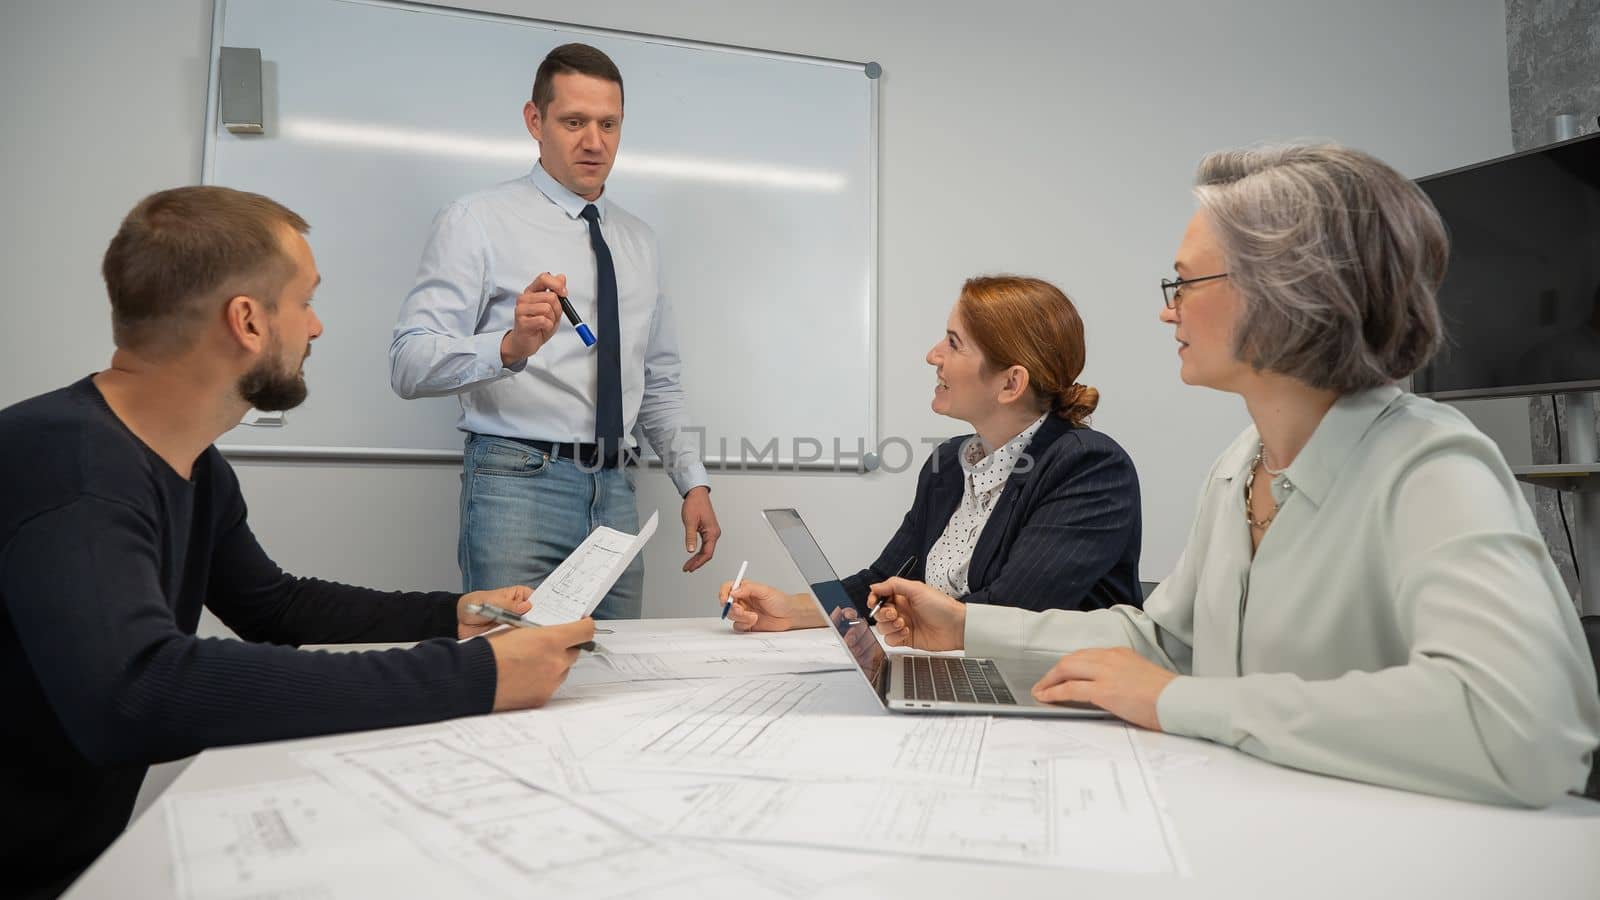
[(758, 172)]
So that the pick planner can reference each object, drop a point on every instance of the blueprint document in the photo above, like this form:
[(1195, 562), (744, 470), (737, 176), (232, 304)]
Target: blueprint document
[(1092, 814), (292, 840), (1038, 799), (747, 728), (1079, 795), (509, 830), (679, 788), (578, 585)]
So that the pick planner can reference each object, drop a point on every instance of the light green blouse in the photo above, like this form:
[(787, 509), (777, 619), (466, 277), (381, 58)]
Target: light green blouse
[(1401, 622)]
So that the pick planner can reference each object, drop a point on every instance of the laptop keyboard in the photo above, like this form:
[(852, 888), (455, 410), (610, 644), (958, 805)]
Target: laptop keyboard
[(947, 678)]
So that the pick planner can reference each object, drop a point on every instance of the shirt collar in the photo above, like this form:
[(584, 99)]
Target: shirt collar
[(985, 473), (570, 203), (1324, 457)]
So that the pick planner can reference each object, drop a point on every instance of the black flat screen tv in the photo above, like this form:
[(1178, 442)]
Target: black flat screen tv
[(1521, 296)]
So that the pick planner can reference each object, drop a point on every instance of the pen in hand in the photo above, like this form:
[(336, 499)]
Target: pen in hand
[(507, 617), (905, 569), (736, 579)]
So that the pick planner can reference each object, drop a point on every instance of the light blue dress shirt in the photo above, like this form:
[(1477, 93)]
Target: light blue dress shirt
[(485, 249)]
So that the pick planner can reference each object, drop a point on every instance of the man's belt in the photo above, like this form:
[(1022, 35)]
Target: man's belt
[(586, 455)]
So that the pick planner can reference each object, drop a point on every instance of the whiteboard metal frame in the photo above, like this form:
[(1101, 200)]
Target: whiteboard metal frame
[(870, 70)]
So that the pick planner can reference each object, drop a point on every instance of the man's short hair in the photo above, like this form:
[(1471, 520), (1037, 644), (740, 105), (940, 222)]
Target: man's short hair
[(580, 59), (1338, 258), (180, 253)]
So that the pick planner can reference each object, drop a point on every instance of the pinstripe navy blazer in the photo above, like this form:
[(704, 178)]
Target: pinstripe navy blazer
[(1063, 535)]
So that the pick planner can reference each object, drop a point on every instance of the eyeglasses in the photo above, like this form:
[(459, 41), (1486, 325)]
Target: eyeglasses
[(1170, 289)]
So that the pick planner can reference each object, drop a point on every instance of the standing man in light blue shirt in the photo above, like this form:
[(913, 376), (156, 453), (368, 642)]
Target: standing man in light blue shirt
[(547, 417)]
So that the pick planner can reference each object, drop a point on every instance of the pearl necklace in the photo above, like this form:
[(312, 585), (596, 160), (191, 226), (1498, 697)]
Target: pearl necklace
[(1249, 489), (1261, 457)]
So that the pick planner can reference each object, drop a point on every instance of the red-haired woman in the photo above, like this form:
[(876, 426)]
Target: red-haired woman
[(1034, 509)]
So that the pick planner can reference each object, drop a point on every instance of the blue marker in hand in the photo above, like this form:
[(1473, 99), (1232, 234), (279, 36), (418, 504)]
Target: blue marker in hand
[(577, 323)]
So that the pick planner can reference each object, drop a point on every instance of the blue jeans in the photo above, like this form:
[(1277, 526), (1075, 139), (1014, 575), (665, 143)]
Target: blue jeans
[(523, 512)]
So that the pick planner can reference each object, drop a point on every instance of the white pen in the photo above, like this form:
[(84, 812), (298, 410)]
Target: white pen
[(736, 579)]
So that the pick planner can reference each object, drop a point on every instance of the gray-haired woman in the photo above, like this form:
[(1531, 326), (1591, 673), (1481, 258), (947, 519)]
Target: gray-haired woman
[(1364, 592)]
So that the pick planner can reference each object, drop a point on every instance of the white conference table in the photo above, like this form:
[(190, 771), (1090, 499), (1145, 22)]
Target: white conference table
[(1247, 828)]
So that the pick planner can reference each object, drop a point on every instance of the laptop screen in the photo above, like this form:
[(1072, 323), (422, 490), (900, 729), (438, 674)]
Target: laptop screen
[(854, 632)]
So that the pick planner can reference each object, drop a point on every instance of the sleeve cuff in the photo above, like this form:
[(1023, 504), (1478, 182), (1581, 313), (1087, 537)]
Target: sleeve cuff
[(486, 348), (689, 477), (857, 588), (481, 674), (996, 630), (1198, 707), (443, 621)]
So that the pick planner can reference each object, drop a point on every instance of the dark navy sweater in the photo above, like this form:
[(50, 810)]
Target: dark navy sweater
[(106, 557)]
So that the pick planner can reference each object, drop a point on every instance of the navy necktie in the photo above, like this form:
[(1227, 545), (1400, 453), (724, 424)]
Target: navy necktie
[(608, 400)]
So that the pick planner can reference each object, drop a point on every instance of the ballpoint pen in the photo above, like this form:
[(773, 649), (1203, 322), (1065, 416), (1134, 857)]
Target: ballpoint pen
[(905, 569), (736, 579), (507, 617)]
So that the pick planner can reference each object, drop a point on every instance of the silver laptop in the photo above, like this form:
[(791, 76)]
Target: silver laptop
[(915, 683)]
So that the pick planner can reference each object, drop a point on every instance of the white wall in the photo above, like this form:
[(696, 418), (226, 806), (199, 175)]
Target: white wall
[(1047, 138)]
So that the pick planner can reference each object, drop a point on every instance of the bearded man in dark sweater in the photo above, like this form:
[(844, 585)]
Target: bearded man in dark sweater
[(119, 521)]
